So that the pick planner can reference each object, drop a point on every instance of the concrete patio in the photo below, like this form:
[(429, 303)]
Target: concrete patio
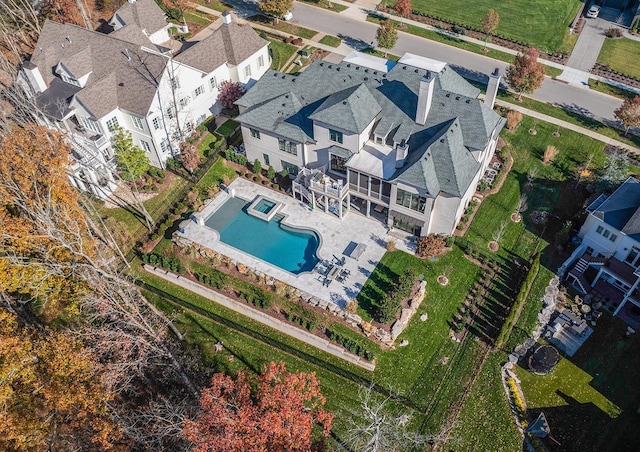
[(336, 236)]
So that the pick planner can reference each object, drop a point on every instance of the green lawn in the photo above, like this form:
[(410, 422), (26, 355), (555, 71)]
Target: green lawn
[(332, 41), (610, 89), (199, 18), (280, 53), (207, 144), (621, 55), (214, 4), (216, 174), (227, 127), (285, 27), (324, 4), (590, 399), (543, 25)]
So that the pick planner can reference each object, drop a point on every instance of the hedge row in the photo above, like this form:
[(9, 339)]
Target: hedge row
[(251, 294), (351, 345), (170, 263), (304, 323), (505, 332), (401, 290)]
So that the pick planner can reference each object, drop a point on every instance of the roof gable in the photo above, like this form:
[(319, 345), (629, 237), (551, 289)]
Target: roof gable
[(351, 109), (143, 14), (622, 209)]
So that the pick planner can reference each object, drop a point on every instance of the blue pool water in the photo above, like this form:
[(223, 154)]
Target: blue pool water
[(264, 206), (291, 249)]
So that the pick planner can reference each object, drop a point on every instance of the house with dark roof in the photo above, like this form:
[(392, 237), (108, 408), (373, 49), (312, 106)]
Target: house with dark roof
[(404, 143), (88, 83), (607, 260)]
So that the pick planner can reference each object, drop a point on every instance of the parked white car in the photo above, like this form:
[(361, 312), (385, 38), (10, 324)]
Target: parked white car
[(288, 15), (593, 11)]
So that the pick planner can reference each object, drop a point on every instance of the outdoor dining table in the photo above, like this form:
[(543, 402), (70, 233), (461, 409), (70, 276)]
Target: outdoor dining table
[(332, 273)]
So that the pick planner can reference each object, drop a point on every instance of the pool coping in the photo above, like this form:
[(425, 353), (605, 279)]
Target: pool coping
[(251, 209)]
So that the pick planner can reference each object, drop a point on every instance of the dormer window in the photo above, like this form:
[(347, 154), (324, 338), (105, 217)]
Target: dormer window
[(71, 81), (336, 136)]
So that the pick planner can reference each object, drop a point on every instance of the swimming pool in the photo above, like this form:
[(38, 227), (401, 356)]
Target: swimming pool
[(291, 249)]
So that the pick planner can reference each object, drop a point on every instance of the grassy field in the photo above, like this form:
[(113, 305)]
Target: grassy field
[(543, 25), (610, 89), (621, 55), (215, 5), (214, 177), (280, 53), (590, 399), (285, 27), (324, 4)]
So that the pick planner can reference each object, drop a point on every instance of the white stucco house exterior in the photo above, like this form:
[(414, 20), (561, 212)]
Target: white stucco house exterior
[(86, 83), (609, 251), (406, 143)]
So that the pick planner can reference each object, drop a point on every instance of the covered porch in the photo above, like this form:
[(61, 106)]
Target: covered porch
[(321, 191)]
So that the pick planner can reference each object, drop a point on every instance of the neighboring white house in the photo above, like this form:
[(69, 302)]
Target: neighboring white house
[(609, 251), (406, 143), (88, 82)]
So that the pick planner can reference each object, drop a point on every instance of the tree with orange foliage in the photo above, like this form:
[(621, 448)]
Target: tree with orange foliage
[(189, 157), (278, 415), (403, 8), (489, 24), (62, 11), (526, 74), (51, 397)]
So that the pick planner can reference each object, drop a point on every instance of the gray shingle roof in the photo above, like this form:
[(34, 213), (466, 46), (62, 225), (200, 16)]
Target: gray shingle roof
[(622, 209), (396, 94), (131, 82), (230, 43), (351, 109)]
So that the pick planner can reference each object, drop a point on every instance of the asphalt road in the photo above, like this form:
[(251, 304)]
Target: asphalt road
[(359, 34)]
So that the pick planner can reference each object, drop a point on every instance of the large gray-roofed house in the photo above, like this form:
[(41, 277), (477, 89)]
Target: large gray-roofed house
[(429, 125)]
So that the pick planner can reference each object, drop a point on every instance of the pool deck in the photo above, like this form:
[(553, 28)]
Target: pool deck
[(336, 236)]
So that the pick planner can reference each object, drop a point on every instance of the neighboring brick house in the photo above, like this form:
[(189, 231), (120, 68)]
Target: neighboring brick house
[(87, 83), (405, 143), (609, 251)]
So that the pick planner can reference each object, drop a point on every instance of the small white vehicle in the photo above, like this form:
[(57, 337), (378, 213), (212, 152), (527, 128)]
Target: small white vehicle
[(288, 15), (593, 11)]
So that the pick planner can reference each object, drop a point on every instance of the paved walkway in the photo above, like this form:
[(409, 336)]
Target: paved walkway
[(261, 317), (568, 125)]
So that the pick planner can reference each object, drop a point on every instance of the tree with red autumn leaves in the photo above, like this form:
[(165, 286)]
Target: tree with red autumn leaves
[(403, 8), (229, 93), (526, 74), (278, 415), (489, 24), (189, 157)]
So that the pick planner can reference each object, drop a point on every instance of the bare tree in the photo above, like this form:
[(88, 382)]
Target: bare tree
[(378, 427), (499, 233), (523, 204)]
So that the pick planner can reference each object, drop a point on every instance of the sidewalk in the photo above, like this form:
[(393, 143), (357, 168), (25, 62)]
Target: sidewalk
[(261, 317), (567, 125)]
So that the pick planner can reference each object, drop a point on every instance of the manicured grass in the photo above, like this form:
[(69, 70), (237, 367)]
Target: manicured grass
[(280, 53), (621, 55), (374, 52), (571, 117), (227, 128), (285, 27), (330, 40), (324, 4), (215, 5), (199, 18), (216, 174), (543, 25), (610, 89), (207, 144), (133, 226)]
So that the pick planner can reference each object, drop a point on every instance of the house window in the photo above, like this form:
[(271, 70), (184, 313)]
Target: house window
[(170, 112), (261, 61), (255, 133), (336, 136), (289, 168), (247, 71), (184, 101), (287, 146), (199, 90), (406, 226), (189, 126), (90, 124), (145, 146), (613, 237), (137, 122), (164, 146), (412, 201), (633, 258), (378, 139), (599, 230), (70, 80), (156, 123), (112, 124), (265, 157), (213, 83), (606, 233), (338, 164), (175, 83)]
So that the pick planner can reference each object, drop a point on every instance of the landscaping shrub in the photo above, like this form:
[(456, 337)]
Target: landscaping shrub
[(549, 154), (235, 157), (351, 345), (512, 318), (172, 164), (401, 290), (513, 119), (170, 263), (153, 171), (614, 32), (257, 166), (271, 173), (430, 246), (459, 30)]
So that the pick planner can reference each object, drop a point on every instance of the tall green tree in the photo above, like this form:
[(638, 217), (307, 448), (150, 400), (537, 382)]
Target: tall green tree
[(387, 35), (629, 113), (132, 161), (526, 74), (275, 8)]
